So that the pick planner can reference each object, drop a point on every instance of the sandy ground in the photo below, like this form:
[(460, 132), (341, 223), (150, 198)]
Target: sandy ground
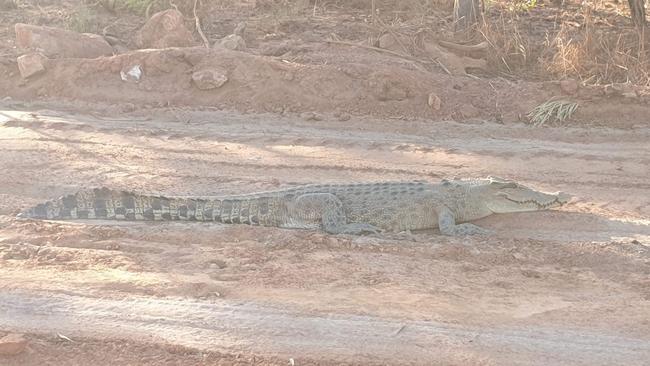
[(566, 287)]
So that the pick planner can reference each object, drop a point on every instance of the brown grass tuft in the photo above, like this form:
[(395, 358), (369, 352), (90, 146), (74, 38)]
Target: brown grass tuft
[(589, 44), (510, 48)]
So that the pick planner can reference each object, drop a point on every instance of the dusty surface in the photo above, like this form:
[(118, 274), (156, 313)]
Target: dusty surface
[(563, 287)]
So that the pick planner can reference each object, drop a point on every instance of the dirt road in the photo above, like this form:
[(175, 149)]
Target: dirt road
[(232, 326), (568, 287)]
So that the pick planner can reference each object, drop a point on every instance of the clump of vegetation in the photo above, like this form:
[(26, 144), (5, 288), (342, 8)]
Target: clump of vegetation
[(522, 5), (136, 6), (591, 43), (512, 50), (83, 20), (8, 4), (552, 110)]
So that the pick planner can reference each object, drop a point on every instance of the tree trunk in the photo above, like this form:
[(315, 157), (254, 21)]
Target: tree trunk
[(637, 9), (466, 13)]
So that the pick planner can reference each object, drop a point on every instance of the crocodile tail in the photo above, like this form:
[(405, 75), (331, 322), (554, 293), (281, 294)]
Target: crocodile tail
[(108, 204)]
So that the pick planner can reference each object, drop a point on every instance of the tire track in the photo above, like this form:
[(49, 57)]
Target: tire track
[(248, 327)]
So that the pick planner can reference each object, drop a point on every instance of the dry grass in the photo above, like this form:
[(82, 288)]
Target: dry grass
[(511, 48), (598, 56), (600, 49), (556, 111), (564, 55), (617, 58), (591, 41), (83, 20)]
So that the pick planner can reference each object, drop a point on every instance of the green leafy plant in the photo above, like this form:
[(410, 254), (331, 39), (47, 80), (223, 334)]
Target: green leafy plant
[(522, 5)]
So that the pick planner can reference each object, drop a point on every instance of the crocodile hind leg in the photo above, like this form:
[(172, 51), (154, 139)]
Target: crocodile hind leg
[(447, 225), (328, 209)]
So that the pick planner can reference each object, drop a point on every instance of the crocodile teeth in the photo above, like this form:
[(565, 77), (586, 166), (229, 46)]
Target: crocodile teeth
[(540, 205)]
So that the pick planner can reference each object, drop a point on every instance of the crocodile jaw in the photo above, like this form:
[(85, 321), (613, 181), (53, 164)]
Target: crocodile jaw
[(523, 199)]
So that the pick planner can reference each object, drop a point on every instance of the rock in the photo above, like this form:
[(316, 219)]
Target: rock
[(468, 111), (127, 107), (12, 344), (60, 43), (232, 42), (343, 117), (569, 86), (434, 102), (386, 90), (164, 29), (311, 116), (131, 73), (276, 49), (209, 79), (31, 64)]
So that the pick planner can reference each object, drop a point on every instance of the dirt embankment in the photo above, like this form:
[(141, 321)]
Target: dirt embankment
[(287, 66)]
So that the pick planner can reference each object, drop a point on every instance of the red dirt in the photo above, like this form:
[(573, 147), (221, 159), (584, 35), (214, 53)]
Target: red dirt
[(566, 287), (311, 75)]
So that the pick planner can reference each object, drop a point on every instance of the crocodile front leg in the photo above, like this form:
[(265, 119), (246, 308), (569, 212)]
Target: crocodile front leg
[(447, 225), (329, 209)]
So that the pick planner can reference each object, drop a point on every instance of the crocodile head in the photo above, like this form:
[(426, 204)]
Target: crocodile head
[(504, 196)]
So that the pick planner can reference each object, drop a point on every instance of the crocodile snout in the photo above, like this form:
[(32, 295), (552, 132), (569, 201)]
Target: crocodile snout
[(563, 197)]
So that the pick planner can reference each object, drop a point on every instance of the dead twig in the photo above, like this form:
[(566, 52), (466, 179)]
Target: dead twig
[(443, 67), (147, 11), (399, 330), (407, 57), (465, 48), (198, 27)]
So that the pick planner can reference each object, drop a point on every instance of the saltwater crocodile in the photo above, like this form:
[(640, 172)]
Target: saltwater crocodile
[(334, 208)]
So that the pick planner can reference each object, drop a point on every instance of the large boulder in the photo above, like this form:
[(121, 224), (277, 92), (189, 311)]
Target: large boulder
[(60, 43), (164, 29), (31, 64)]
